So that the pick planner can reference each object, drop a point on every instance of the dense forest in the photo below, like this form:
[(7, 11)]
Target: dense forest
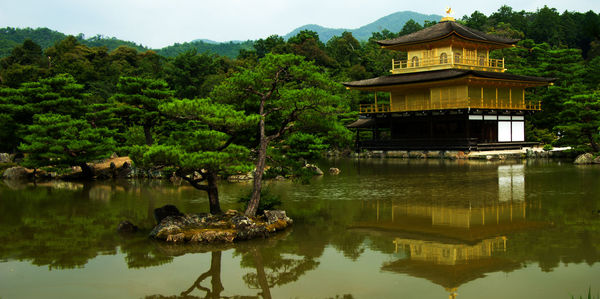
[(279, 102)]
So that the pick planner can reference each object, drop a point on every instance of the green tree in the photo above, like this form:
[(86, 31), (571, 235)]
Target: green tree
[(545, 26), (307, 43), (138, 100), (25, 64), (281, 90), (189, 71), (410, 27), (202, 148), (60, 94), (477, 20), (272, 44), (58, 142), (566, 65), (580, 120), (344, 49)]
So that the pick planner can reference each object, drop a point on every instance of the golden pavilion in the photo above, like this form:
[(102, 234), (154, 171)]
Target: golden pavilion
[(448, 95)]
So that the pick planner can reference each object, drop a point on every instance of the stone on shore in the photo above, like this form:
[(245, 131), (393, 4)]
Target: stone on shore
[(237, 178), (316, 170), (586, 158), (17, 173), (6, 158)]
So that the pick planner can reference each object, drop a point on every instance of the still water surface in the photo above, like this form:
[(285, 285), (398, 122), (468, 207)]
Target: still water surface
[(381, 229)]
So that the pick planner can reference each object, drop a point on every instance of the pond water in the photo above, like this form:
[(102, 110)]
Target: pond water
[(381, 229)]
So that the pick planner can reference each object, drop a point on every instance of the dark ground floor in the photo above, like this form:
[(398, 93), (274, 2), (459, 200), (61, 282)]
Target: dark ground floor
[(441, 130)]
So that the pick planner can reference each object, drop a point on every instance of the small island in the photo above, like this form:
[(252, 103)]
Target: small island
[(231, 226)]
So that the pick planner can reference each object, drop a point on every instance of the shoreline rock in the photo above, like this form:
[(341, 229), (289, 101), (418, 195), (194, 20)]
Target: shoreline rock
[(17, 173), (501, 155), (586, 158), (230, 227)]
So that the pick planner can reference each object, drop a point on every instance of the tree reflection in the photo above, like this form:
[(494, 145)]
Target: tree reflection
[(214, 273), (280, 269)]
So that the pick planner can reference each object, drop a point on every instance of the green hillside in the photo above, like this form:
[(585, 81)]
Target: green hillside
[(230, 49), (10, 37)]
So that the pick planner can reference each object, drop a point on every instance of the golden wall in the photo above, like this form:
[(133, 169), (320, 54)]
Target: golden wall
[(458, 96)]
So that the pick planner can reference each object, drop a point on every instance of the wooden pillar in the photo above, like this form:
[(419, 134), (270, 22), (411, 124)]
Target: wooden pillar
[(468, 128), (430, 126), (481, 97), (357, 139), (496, 98)]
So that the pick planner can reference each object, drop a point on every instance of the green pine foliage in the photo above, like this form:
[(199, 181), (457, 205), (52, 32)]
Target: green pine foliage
[(137, 101), (202, 145), (580, 121), (60, 94), (57, 142)]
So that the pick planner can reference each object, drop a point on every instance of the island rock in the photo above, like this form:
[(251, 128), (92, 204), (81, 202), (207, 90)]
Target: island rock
[(166, 211), (334, 171), (224, 228)]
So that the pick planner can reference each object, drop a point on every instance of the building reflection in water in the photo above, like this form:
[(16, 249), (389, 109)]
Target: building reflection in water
[(453, 241)]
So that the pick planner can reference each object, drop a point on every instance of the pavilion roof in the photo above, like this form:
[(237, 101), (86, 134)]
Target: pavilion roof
[(418, 77), (451, 276), (444, 29)]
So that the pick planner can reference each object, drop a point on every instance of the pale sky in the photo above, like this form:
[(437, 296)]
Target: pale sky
[(159, 23)]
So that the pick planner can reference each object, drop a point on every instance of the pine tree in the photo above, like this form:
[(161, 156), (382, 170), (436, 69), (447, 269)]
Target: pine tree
[(57, 142), (286, 93), (202, 145), (137, 102), (580, 120)]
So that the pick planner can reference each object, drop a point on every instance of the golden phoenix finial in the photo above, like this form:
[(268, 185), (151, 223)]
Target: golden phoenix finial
[(448, 10)]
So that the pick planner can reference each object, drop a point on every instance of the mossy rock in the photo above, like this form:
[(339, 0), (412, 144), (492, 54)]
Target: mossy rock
[(225, 228)]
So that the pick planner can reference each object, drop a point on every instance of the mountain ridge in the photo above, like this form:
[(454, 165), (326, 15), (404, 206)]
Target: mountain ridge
[(392, 22)]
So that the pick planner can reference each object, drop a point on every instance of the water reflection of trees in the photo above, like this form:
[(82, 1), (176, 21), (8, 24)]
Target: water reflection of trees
[(274, 268), (67, 225), (272, 264)]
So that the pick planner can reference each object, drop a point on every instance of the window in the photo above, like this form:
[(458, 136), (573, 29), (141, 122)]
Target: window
[(443, 58), (414, 62), (481, 60), (457, 58)]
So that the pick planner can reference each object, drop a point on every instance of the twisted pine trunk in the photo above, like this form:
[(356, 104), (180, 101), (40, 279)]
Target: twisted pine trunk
[(260, 168), (213, 193)]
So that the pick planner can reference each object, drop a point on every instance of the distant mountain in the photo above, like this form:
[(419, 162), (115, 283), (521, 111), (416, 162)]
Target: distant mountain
[(393, 23), (207, 41)]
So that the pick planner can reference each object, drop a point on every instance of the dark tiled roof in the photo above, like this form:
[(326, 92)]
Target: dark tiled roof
[(362, 123), (443, 29), (418, 77)]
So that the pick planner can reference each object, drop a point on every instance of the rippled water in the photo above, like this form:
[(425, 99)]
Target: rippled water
[(381, 229)]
